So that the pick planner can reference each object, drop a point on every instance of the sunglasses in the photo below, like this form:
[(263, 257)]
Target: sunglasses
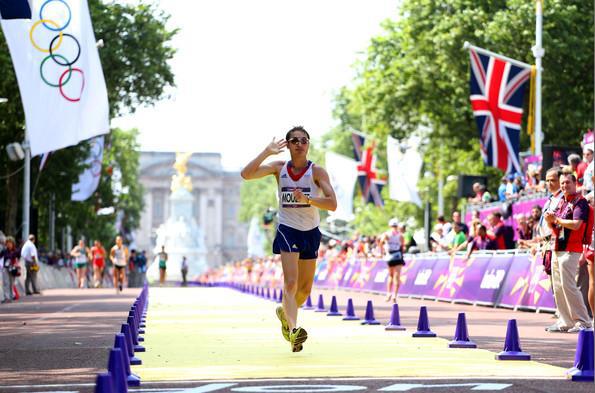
[(295, 140)]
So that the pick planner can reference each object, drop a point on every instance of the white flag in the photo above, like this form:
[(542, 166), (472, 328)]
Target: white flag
[(89, 179), (404, 166), (255, 240), (343, 175), (59, 74)]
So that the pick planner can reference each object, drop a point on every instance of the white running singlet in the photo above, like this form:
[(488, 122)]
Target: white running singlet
[(292, 213), (393, 239), (120, 257)]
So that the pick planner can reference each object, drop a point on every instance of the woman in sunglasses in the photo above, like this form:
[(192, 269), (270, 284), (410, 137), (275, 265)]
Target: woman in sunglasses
[(303, 189)]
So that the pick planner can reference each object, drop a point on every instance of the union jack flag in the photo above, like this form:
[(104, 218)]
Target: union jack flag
[(497, 89), (369, 182)]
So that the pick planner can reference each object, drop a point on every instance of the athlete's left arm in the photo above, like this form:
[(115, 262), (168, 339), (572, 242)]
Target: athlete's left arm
[(329, 200)]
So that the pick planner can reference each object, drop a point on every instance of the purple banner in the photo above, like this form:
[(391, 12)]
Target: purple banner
[(527, 285)]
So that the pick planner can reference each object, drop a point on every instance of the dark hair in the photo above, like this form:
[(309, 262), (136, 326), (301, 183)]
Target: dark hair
[(570, 175), (536, 207), (482, 227), (440, 219), (297, 128), (497, 214)]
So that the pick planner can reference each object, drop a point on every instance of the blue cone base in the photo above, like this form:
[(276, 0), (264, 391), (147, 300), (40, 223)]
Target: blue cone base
[(461, 344), (351, 318), (139, 348), (395, 327), (140, 339), (580, 375), (141, 331), (134, 361), (511, 355), (370, 322), (307, 308), (142, 325), (133, 380), (424, 333), (334, 314), (320, 310)]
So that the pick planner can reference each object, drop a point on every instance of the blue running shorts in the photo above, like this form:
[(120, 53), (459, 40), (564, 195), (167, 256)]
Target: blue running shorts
[(289, 239)]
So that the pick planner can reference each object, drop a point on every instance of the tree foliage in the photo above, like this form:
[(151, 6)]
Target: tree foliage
[(415, 79)]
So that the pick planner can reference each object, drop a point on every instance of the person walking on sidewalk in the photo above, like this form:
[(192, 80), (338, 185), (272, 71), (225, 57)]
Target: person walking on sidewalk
[(184, 272), (297, 237), (29, 254), (119, 257), (568, 225), (11, 256)]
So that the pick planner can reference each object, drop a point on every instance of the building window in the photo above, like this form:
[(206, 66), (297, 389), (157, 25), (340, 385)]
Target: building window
[(157, 208)]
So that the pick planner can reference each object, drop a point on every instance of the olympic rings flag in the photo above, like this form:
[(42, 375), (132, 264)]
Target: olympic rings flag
[(89, 179), (59, 74)]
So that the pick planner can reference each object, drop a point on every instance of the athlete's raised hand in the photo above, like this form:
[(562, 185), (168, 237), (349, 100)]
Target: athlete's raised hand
[(276, 147)]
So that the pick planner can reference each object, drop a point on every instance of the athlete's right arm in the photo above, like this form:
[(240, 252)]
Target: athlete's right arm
[(256, 169)]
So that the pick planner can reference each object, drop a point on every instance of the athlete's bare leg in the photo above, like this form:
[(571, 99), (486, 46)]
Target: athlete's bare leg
[(397, 281), (306, 271), (289, 262), (389, 282)]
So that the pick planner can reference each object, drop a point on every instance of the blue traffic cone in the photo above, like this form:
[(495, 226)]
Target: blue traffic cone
[(134, 335), (350, 312), (369, 318), (395, 319), (125, 329), (120, 342), (274, 294), (512, 346), (583, 359), (423, 324), (268, 293), (280, 298), (334, 311), (115, 365), (320, 307), (308, 305), (104, 383), (461, 339)]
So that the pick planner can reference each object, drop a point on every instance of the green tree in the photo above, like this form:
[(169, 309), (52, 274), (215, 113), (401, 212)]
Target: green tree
[(414, 80)]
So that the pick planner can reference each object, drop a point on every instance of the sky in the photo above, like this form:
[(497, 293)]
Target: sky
[(247, 71)]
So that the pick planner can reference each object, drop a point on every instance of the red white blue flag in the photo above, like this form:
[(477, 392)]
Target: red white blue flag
[(497, 91), (367, 176)]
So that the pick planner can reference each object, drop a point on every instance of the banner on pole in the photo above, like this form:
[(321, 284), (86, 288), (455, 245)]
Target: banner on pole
[(343, 175), (89, 179), (59, 74), (404, 166)]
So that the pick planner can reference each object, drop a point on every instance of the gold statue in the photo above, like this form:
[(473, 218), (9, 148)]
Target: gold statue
[(180, 180)]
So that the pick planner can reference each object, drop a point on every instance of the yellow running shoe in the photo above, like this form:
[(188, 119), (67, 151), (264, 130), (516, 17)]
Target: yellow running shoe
[(284, 325), (296, 338)]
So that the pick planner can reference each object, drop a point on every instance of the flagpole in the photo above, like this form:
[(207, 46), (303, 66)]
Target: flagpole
[(538, 53), (486, 52), (26, 188)]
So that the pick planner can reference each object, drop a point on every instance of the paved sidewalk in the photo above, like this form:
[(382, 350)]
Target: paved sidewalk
[(61, 336)]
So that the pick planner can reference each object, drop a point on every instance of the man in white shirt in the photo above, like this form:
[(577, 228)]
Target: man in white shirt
[(29, 255)]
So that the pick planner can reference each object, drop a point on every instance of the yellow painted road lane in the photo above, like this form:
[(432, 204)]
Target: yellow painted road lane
[(218, 333)]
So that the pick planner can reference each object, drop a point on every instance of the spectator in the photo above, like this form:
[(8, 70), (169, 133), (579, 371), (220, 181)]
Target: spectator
[(518, 183), (132, 271), (502, 189), (502, 234), (11, 255), (535, 219), (184, 271), (486, 197), (29, 254), (568, 227), (585, 169), (482, 241), (524, 232), (410, 243), (456, 219), (478, 198), (437, 239), (459, 240), (446, 226), (141, 267), (512, 190), (573, 161)]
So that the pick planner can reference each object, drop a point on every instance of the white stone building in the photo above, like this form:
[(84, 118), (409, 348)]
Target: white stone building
[(216, 203)]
